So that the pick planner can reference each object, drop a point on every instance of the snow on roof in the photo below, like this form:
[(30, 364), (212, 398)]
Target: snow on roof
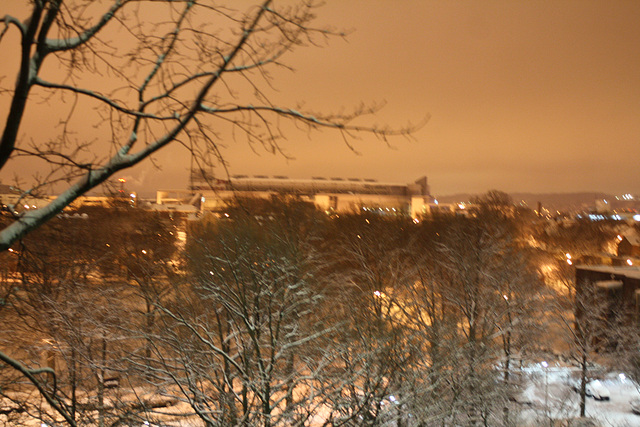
[(609, 284), (630, 272), (633, 238), (630, 233)]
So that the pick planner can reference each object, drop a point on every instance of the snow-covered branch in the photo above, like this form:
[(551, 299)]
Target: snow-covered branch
[(102, 98), (31, 375), (56, 45), (10, 20)]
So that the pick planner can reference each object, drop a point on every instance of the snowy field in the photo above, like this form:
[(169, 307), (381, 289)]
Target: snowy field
[(549, 393), (548, 398)]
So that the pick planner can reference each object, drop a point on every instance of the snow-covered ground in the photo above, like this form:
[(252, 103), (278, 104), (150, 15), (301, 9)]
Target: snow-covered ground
[(547, 392)]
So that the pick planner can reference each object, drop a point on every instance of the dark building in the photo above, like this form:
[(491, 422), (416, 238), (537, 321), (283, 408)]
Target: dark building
[(629, 245), (614, 290)]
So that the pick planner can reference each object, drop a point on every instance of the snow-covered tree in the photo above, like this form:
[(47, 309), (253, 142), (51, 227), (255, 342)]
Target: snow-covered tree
[(146, 74), (170, 72), (241, 340), (77, 320)]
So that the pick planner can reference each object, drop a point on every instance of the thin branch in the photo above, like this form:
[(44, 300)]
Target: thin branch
[(321, 121), (8, 20), (114, 104), (30, 375), (57, 45), (121, 160)]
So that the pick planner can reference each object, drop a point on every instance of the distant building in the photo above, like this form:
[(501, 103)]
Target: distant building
[(18, 201), (616, 287), (335, 194), (629, 244)]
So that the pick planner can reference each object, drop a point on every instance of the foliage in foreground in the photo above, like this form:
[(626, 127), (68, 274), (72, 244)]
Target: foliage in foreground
[(285, 318)]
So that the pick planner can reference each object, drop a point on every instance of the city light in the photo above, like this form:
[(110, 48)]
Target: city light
[(379, 294)]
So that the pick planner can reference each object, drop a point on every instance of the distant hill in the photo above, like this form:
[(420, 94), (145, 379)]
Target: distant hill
[(551, 201)]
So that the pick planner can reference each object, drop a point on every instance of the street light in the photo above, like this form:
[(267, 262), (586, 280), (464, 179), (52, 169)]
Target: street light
[(122, 182), (545, 365)]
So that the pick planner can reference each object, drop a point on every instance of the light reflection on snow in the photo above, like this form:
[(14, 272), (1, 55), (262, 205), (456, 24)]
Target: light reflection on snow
[(563, 402)]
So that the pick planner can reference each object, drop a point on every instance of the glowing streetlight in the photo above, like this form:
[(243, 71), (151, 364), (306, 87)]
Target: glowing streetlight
[(545, 365)]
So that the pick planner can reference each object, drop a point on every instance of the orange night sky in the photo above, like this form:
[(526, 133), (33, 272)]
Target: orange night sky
[(533, 96)]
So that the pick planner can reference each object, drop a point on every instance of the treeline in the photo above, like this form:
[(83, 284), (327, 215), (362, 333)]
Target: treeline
[(275, 314)]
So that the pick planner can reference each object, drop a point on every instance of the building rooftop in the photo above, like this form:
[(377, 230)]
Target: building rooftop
[(630, 272), (315, 185)]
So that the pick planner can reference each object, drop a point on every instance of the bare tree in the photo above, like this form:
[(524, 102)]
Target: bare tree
[(581, 239), (240, 342), (367, 264), (178, 72), (596, 327), (471, 304), (71, 322), (184, 72), (57, 322)]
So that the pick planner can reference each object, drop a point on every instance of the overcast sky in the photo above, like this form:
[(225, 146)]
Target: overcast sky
[(536, 96)]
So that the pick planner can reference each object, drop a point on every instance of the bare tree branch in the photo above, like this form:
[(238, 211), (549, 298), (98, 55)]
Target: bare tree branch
[(57, 45), (31, 374), (8, 20)]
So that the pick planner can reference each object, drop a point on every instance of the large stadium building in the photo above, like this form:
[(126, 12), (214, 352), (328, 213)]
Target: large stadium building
[(339, 195)]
